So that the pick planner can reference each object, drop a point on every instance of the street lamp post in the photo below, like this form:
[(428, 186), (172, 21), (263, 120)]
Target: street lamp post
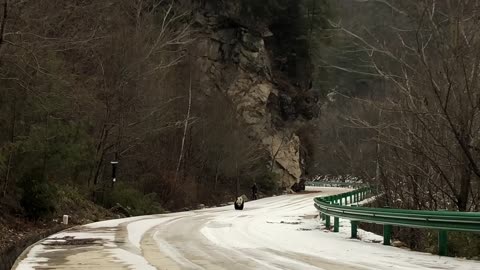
[(114, 172)]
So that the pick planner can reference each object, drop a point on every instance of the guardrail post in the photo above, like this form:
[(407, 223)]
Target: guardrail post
[(327, 222), (442, 243), (336, 224), (387, 234), (354, 228)]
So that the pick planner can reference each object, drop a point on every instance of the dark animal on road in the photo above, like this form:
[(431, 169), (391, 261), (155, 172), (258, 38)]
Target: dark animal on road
[(239, 203)]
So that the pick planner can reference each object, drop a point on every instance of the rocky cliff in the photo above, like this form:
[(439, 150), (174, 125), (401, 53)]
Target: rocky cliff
[(242, 55)]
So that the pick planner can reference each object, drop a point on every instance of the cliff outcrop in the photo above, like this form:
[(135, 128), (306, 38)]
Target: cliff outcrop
[(244, 56)]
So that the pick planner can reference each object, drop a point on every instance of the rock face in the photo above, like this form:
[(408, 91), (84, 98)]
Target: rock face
[(232, 55)]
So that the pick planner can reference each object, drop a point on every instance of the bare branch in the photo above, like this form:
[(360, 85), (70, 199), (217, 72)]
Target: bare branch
[(3, 21)]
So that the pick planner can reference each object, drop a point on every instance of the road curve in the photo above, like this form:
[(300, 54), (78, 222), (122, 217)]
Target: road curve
[(271, 233)]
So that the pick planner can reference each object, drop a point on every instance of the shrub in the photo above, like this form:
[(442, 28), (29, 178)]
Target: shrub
[(464, 244), (38, 197), (74, 202), (134, 200)]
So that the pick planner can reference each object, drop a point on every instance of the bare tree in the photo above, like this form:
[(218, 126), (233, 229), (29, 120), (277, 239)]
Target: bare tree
[(428, 56), (130, 85)]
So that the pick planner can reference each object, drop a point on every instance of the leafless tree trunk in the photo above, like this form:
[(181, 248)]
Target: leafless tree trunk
[(185, 129), (12, 149)]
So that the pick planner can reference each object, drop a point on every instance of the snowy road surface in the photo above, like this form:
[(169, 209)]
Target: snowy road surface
[(274, 233)]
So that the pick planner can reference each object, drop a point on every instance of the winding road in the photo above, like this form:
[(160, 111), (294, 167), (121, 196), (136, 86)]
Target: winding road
[(280, 232)]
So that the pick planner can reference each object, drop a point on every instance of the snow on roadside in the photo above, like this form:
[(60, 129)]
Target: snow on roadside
[(290, 224), (112, 223), (345, 231), (345, 226), (62, 236)]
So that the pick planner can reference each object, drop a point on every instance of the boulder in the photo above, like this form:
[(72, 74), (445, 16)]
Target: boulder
[(300, 186)]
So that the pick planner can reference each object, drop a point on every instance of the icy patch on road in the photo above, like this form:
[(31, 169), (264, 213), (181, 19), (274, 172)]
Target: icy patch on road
[(173, 253), (133, 261), (137, 229), (102, 235), (33, 259)]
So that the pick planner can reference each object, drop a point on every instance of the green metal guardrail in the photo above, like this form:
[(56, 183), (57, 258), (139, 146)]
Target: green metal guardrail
[(332, 184), (443, 221)]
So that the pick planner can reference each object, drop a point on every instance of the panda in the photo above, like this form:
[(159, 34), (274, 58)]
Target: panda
[(239, 203)]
